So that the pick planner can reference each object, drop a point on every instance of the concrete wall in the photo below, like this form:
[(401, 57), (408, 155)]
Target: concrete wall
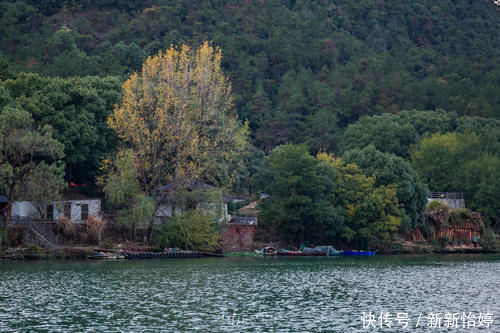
[(24, 209), (453, 203)]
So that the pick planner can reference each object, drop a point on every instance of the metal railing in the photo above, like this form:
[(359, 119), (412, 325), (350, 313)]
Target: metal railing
[(46, 236), (446, 195)]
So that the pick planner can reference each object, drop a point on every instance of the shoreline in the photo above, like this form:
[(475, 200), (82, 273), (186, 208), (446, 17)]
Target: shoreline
[(82, 253)]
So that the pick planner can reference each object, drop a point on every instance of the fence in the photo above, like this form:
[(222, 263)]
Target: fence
[(38, 228), (446, 195), (467, 231)]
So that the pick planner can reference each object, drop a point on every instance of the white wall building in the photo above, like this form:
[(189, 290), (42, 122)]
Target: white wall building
[(24, 209), (77, 210)]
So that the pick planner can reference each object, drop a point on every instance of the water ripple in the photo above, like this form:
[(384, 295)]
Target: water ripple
[(241, 295)]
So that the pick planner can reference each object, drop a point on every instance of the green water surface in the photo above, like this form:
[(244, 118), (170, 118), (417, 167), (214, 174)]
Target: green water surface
[(247, 294)]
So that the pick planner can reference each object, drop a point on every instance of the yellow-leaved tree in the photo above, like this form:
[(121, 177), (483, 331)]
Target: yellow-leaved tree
[(177, 116)]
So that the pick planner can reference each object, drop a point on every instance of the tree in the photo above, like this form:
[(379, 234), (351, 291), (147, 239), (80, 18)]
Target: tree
[(77, 109), (43, 185), (385, 132), (437, 160), (123, 191), (481, 178), (177, 117), (301, 203), (193, 230), (370, 213), (462, 162), (391, 169), (429, 122), (27, 152)]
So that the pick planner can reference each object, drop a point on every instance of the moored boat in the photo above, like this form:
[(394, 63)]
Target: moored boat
[(318, 251), (106, 255), (268, 251), (359, 253), (288, 253)]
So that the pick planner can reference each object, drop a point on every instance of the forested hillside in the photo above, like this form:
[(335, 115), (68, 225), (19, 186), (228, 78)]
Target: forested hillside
[(405, 91), (301, 70)]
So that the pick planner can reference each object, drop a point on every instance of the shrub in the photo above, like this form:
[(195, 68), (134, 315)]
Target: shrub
[(460, 216), (59, 254), (106, 244), (65, 226), (488, 240), (191, 231), (34, 249), (438, 212), (95, 226)]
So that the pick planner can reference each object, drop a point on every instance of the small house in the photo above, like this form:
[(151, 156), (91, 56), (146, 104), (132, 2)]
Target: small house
[(77, 209), (240, 234), (242, 228)]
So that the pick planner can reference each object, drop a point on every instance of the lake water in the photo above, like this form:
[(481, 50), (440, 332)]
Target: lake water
[(253, 295)]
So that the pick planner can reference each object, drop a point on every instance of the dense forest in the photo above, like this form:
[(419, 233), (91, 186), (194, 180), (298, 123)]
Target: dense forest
[(393, 87)]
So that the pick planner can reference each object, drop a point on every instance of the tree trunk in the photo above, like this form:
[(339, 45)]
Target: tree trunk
[(9, 206), (151, 224), (150, 230)]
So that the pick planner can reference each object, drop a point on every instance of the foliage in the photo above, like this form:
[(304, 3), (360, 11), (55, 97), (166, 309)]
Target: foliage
[(43, 186), (299, 68), (121, 187), (385, 132), (207, 200), (176, 115), (301, 72), (60, 254), (438, 212), (34, 249), (429, 122), (489, 240), (76, 109), (459, 216), (192, 230), (106, 244), (95, 227), (462, 162), (324, 199), (370, 213), (301, 203), (390, 169), (26, 152), (481, 181), (65, 226), (436, 161)]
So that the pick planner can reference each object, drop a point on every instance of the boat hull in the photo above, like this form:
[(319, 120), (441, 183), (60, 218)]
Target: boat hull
[(285, 253), (358, 253)]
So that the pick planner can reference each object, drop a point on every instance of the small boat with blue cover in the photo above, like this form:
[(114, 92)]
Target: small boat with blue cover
[(358, 253)]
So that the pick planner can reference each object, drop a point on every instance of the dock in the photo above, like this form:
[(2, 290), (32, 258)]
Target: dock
[(163, 255)]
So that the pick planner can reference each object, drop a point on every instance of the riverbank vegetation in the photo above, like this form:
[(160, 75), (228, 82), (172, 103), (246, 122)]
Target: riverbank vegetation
[(346, 114)]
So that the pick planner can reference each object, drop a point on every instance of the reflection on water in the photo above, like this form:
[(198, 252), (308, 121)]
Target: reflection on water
[(243, 294)]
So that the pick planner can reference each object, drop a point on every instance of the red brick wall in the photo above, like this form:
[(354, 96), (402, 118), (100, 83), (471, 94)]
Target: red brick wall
[(239, 237)]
